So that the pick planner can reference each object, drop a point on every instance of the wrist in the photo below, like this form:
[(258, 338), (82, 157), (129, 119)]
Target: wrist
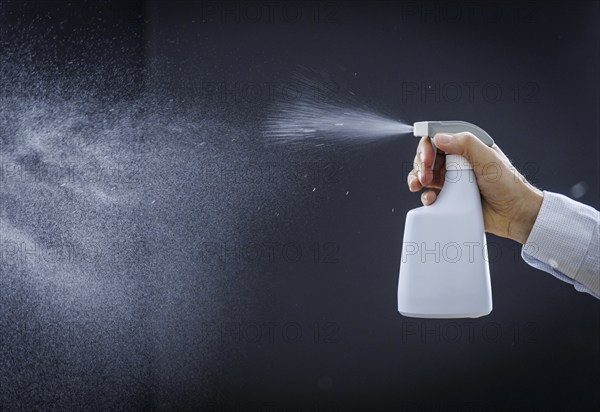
[(525, 218)]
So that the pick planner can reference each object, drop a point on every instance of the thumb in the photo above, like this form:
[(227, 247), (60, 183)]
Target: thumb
[(468, 146)]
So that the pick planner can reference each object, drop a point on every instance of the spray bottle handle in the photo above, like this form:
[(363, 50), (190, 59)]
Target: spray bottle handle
[(431, 128)]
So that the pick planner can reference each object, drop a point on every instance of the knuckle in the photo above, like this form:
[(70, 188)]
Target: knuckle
[(416, 164), (466, 141), (467, 138)]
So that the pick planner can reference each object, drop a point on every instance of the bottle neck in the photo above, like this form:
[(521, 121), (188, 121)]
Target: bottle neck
[(457, 162), (460, 184)]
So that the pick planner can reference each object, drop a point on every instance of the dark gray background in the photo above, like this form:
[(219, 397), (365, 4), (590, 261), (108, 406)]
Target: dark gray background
[(221, 272)]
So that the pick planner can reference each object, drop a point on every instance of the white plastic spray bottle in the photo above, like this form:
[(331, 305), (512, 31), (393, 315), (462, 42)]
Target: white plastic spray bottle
[(444, 270)]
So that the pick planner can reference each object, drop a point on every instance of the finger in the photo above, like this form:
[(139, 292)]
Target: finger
[(413, 182), (436, 179), (468, 146), (440, 161), (417, 164), (425, 158), (437, 182), (429, 196), (439, 172), (417, 167)]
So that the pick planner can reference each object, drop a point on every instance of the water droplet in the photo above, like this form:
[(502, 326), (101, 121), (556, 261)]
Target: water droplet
[(578, 190)]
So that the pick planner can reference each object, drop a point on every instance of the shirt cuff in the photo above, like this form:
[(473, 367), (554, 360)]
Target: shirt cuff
[(561, 238)]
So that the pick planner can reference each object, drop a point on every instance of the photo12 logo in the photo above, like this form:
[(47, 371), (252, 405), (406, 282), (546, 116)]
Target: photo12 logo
[(24, 253), (70, 173), (317, 332), (271, 252), (448, 252), (464, 252), (427, 331), (260, 173), (472, 92)]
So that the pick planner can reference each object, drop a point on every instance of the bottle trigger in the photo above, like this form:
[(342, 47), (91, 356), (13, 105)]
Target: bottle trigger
[(434, 154)]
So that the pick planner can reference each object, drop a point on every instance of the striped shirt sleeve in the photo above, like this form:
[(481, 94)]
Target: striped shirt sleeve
[(565, 242)]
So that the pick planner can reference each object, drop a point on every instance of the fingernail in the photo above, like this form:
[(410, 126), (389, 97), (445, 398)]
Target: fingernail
[(422, 156), (425, 198), (411, 180), (443, 138)]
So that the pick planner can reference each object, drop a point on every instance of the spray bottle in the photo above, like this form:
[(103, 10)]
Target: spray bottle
[(444, 271)]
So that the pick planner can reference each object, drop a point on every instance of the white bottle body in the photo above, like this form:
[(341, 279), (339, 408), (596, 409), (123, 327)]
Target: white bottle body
[(444, 271)]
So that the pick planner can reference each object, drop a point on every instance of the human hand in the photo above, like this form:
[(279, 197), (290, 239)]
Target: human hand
[(510, 204)]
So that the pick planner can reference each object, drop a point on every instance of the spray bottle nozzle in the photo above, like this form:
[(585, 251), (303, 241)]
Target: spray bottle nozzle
[(431, 128)]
